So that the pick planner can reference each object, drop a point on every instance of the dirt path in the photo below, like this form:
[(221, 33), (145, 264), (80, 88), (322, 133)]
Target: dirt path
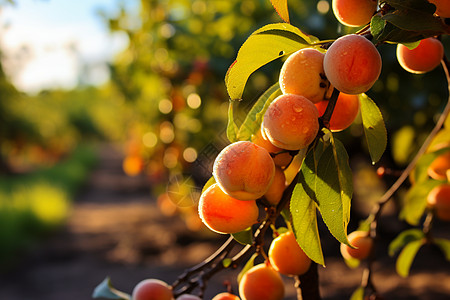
[(116, 230)]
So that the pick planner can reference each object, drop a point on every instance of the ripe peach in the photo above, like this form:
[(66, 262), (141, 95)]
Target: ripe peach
[(244, 170), (363, 243), (354, 13), (152, 289), (345, 111), (439, 200), (352, 64), (276, 189), (261, 282), (188, 297), (287, 257), (302, 74), (291, 122), (424, 58), (225, 296), (442, 8), (224, 214), (132, 165), (439, 166), (281, 159)]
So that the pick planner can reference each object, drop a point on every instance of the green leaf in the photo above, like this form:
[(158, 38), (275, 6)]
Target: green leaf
[(244, 237), (358, 294), (444, 245), (250, 263), (232, 128), (253, 120), (303, 211), (406, 257), (415, 201), (106, 291), (404, 238), (263, 46), (377, 26), (282, 9), (352, 263), (374, 129), (334, 189), (209, 183), (411, 45), (227, 262)]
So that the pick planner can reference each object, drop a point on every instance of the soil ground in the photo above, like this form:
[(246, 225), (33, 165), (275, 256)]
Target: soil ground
[(116, 230)]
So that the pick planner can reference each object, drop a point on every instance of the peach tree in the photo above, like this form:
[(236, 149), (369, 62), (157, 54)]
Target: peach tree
[(285, 164)]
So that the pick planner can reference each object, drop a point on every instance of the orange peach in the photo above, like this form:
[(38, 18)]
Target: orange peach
[(424, 58), (276, 189), (291, 122), (345, 111), (439, 200), (363, 243), (439, 167), (261, 282), (302, 74), (287, 257), (244, 170), (224, 214), (280, 159), (442, 8), (352, 64), (225, 296), (354, 13), (152, 289)]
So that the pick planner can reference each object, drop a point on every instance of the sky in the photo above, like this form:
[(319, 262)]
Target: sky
[(48, 43)]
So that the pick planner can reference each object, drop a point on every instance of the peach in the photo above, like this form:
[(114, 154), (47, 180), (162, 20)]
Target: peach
[(280, 159), (442, 8), (354, 13), (287, 257), (352, 64), (276, 189), (439, 200), (363, 243), (302, 74), (244, 170), (132, 165), (224, 214), (291, 122), (225, 296), (261, 282), (424, 58), (345, 111), (152, 289), (439, 167)]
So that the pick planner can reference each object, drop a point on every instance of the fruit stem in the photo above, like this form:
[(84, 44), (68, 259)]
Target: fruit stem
[(324, 121)]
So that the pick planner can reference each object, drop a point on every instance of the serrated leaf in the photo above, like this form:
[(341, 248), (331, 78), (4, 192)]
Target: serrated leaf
[(263, 46), (404, 238), (374, 128), (358, 294), (415, 201), (406, 257), (334, 189), (248, 265), (444, 245), (303, 211), (105, 290), (232, 128), (253, 120), (244, 237)]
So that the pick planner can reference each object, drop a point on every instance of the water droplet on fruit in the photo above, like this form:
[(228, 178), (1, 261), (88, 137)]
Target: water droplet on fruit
[(297, 108)]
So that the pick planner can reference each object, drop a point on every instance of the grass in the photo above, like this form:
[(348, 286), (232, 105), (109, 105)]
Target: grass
[(32, 205)]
